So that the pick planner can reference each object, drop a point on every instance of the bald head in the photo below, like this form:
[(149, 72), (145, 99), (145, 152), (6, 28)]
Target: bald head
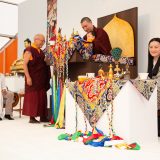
[(39, 40), (39, 36)]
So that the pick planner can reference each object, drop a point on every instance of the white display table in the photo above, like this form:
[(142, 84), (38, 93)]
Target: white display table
[(134, 119)]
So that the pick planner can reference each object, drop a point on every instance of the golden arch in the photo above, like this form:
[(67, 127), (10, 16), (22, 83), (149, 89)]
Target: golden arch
[(121, 35)]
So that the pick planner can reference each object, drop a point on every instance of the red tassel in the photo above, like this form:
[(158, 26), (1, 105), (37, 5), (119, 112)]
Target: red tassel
[(116, 138), (52, 120)]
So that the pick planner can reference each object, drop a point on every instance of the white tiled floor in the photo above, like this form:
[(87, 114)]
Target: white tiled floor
[(20, 140)]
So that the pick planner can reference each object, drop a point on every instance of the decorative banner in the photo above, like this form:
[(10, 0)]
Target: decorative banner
[(93, 97), (51, 36), (93, 89), (51, 19)]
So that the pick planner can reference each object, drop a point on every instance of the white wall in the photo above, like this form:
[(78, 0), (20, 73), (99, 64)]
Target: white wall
[(32, 19), (70, 13)]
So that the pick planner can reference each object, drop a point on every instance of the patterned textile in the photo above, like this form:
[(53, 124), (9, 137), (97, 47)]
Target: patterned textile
[(84, 48), (157, 78), (51, 19), (93, 89), (95, 95), (117, 86), (92, 107), (110, 59), (51, 29), (145, 87)]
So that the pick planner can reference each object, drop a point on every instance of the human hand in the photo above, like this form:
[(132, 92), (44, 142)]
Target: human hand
[(93, 57), (47, 60), (29, 81)]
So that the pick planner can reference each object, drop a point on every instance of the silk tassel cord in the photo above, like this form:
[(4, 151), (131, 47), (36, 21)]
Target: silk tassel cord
[(75, 97), (53, 98), (60, 119), (85, 106), (96, 93), (56, 99), (110, 112)]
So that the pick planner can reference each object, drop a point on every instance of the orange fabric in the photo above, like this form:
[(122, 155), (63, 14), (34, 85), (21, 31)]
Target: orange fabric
[(34, 46), (10, 56), (1, 61), (31, 58)]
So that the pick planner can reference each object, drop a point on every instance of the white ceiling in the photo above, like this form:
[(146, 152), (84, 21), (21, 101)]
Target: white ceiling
[(8, 20), (3, 41), (13, 1)]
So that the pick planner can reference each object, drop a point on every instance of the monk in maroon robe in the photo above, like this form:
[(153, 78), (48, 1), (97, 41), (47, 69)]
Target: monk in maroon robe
[(37, 77), (101, 43)]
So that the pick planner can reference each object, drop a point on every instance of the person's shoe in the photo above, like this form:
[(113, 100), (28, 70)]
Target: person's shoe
[(33, 120), (8, 117), (0, 119), (44, 119)]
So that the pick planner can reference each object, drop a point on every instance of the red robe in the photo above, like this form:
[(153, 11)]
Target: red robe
[(35, 99), (101, 43)]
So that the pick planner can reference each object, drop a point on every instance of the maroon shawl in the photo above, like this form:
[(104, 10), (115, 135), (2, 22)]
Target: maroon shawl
[(101, 43), (38, 70)]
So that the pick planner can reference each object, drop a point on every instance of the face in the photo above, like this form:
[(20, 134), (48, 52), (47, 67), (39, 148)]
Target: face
[(154, 49), (90, 37), (39, 41), (87, 26), (26, 44)]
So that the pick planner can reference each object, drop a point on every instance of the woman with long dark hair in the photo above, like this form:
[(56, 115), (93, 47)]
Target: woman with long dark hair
[(154, 68)]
